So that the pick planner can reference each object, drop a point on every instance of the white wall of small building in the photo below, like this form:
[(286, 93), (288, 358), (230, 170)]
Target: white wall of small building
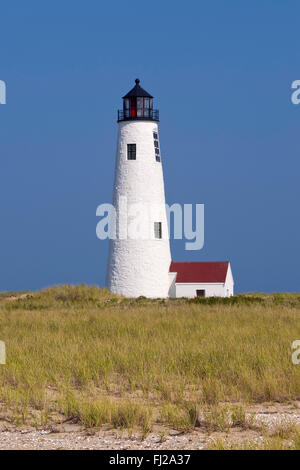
[(172, 284), (229, 282), (211, 290), (218, 289)]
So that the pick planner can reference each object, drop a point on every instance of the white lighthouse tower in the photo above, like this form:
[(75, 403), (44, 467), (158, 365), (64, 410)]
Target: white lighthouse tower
[(139, 255)]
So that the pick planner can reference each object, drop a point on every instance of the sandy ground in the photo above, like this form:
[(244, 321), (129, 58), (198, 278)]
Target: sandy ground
[(73, 436)]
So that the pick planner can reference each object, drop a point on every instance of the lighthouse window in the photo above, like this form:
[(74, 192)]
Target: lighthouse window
[(131, 151), (157, 230), (156, 146)]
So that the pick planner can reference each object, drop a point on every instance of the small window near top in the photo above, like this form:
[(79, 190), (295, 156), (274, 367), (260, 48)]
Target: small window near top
[(155, 135), (131, 151), (157, 230)]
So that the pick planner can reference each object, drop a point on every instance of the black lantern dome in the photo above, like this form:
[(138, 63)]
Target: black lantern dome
[(138, 105)]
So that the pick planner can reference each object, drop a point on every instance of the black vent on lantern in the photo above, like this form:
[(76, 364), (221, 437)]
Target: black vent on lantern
[(138, 105)]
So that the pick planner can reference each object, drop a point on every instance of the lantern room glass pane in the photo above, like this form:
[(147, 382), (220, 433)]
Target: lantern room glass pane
[(126, 107), (139, 102), (133, 107), (146, 107)]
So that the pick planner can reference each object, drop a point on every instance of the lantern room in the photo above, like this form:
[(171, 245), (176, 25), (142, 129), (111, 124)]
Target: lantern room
[(138, 105)]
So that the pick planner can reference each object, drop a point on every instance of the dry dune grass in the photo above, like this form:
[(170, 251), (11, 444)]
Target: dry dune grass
[(83, 353)]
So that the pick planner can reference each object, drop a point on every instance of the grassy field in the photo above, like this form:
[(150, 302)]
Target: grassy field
[(83, 353)]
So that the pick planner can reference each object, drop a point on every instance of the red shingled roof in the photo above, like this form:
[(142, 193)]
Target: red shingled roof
[(205, 271)]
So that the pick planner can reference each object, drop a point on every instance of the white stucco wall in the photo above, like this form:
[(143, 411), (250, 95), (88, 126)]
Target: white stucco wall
[(189, 289), (229, 282), (139, 267), (172, 284)]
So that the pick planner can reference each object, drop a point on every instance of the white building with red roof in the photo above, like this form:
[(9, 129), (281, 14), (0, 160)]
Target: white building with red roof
[(201, 279)]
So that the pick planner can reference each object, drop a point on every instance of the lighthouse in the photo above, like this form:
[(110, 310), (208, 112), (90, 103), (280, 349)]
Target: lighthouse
[(139, 253)]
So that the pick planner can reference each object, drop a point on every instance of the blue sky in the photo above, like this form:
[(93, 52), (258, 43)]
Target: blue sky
[(221, 74)]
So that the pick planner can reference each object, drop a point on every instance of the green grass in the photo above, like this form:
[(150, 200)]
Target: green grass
[(84, 352)]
